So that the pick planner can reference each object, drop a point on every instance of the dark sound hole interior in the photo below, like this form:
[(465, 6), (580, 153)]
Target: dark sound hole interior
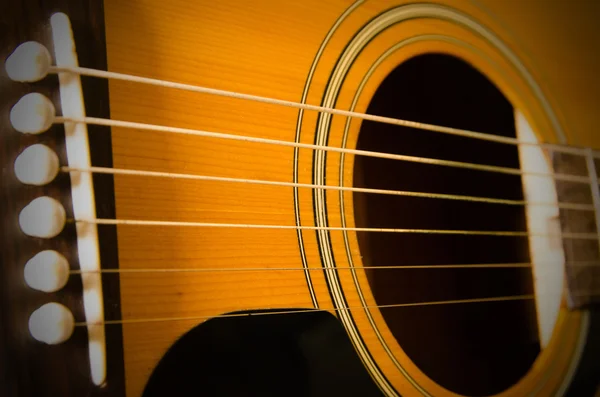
[(469, 348)]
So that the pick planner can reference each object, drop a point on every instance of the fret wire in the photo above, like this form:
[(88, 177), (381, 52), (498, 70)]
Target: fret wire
[(432, 303), (366, 153), (136, 222), (381, 119), (118, 171), (591, 294), (595, 190), (593, 175)]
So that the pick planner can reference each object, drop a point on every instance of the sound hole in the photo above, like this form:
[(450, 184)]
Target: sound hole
[(468, 348)]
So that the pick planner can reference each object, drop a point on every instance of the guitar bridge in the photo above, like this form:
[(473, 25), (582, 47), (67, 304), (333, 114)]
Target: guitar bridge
[(44, 217)]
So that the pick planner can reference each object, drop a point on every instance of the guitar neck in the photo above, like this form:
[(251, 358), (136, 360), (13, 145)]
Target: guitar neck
[(583, 281)]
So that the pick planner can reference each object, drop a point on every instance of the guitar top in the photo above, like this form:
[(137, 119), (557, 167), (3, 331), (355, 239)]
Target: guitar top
[(370, 197)]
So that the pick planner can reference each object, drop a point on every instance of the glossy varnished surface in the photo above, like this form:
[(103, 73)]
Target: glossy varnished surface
[(259, 69), (267, 49)]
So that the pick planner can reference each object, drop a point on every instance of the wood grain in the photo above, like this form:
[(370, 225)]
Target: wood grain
[(266, 48)]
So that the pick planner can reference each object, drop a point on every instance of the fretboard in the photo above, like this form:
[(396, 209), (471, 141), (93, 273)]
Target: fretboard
[(582, 257)]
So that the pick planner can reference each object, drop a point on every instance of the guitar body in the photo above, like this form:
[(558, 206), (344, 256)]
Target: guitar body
[(334, 54)]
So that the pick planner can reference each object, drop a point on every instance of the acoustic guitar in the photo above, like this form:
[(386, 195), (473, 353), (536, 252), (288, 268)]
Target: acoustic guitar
[(300, 198)]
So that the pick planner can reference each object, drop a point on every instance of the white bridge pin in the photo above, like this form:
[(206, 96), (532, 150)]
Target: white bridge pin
[(36, 165), (29, 62), (33, 114), (51, 323), (43, 217), (47, 271)]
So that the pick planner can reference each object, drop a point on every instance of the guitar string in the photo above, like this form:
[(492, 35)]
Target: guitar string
[(365, 153), (442, 196), (350, 151), (523, 265), (139, 222), (258, 269), (273, 101), (397, 305), (165, 223), (378, 119)]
